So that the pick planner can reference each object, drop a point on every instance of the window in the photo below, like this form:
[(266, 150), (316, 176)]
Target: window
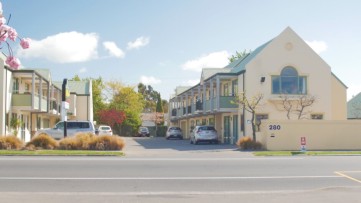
[(225, 90), (234, 87), (289, 82), (211, 121), (16, 86), (317, 116)]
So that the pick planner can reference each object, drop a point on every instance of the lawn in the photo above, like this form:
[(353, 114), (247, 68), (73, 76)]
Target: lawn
[(60, 153)]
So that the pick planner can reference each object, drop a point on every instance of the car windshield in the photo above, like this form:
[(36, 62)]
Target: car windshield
[(104, 128), (174, 128), (206, 128)]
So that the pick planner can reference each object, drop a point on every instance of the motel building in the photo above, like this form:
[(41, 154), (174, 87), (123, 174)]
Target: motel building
[(33, 98), (284, 70)]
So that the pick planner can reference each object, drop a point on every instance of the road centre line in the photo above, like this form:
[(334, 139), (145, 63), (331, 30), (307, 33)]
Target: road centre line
[(166, 178)]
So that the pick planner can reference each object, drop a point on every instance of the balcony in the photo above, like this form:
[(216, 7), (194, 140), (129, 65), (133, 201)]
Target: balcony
[(25, 101)]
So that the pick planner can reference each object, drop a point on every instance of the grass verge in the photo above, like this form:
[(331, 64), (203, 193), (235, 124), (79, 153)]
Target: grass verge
[(60, 153), (307, 153)]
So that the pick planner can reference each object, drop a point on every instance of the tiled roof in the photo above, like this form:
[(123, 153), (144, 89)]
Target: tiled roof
[(354, 107)]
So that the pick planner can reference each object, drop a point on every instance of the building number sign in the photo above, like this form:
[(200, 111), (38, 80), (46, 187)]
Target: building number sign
[(274, 127)]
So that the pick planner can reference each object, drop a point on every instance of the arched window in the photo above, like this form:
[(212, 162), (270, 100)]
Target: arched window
[(289, 82)]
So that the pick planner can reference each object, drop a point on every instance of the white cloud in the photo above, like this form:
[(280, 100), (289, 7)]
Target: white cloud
[(317, 46), (212, 60), (113, 49), (83, 70), (139, 42), (67, 47), (149, 80)]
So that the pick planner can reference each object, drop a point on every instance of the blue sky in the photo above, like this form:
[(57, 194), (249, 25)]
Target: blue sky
[(166, 43)]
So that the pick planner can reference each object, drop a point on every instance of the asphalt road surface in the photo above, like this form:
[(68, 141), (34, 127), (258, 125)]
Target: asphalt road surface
[(156, 170)]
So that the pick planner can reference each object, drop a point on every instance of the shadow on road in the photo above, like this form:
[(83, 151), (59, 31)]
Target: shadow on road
[(181, 145)]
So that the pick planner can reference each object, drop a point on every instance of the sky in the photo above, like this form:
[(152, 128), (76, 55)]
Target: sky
[(166, 43)]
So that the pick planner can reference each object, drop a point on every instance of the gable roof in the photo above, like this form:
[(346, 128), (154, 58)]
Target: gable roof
[(240, 64), (354, 107), (208, 72)]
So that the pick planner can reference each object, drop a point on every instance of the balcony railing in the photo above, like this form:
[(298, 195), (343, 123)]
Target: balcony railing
[(226, 102)]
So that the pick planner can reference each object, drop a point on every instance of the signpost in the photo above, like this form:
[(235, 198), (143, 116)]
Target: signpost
[(64, 104), (303, 144)]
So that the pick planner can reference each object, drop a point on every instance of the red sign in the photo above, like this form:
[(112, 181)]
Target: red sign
[(303, 140)]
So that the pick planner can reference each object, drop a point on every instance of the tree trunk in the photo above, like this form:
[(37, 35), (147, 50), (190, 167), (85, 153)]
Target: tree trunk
[(253, 126)]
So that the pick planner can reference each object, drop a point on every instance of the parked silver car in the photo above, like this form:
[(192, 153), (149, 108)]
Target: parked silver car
[(204, 133), (73, 127), (174, 132)]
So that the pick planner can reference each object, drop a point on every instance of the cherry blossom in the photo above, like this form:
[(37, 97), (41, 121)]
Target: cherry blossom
[(7, 32)]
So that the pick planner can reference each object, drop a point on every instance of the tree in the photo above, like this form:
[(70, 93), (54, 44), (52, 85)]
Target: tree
[(131, 103), (15, 124), (356, 109), (239, 55), (150, 97), (297, 105), (165, 105), (9, 33), (111, 117), (159, 118), (250, 105)]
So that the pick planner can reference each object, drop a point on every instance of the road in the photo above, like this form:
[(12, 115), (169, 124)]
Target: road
[(155, 170)]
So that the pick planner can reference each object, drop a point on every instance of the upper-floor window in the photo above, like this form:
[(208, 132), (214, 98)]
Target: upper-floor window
[(16, 86), (289, 82), (225, 90)]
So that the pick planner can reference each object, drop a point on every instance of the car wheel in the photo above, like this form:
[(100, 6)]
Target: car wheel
[(195, 142)]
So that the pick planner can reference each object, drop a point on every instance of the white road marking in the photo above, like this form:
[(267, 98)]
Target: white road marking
[(142, 159), (166, 178)]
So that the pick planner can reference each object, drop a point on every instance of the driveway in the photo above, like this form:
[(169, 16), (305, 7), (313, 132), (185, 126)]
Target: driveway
[(161, 148)]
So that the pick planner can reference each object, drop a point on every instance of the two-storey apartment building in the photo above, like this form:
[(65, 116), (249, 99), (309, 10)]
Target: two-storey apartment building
[(284, 67), (31, 97)]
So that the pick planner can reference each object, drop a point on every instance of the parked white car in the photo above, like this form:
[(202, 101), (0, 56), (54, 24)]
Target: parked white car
[(174, 132), (104, 130), (204, 133), (73, 127)]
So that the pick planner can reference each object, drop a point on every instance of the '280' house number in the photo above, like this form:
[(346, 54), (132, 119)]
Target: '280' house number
[(274, 127)]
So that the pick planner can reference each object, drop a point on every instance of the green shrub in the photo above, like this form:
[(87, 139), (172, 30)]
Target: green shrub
[(246, 143), (42, 141), (10, 142)]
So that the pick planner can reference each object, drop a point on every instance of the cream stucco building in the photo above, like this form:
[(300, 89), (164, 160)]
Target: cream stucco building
[(30, 96), (284, 68)]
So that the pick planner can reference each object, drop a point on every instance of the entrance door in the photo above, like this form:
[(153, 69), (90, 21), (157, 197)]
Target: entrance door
[(227, 130), (235, 128)]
